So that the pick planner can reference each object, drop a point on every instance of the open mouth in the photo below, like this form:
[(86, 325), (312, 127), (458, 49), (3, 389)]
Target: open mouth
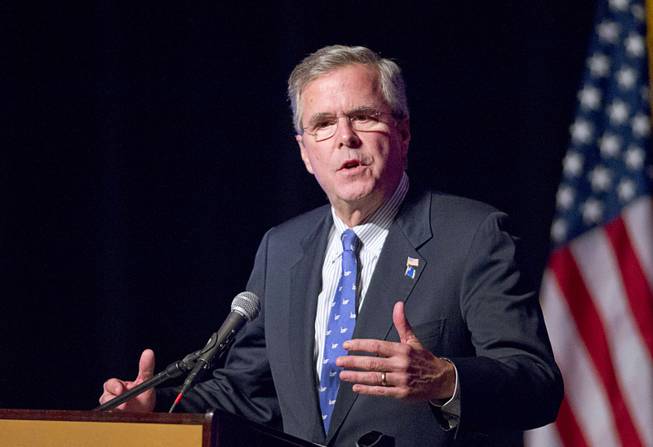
[(350, 164)]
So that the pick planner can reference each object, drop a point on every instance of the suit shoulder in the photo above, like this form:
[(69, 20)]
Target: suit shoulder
[(461, 218), (456, 208)]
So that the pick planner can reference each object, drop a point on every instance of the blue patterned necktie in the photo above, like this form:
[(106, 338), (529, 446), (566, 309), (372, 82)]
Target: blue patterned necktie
[(342, 320)]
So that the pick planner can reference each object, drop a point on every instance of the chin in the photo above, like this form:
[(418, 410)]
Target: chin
[(356, 193)]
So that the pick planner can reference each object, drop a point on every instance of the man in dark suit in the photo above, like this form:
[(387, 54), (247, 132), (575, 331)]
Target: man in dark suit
[(473, 366)]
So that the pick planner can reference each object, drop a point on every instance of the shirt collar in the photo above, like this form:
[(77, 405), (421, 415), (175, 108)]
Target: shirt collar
[(379, 222)]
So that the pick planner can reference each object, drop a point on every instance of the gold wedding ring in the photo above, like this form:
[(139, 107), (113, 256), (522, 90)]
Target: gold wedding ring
[(383, 381)]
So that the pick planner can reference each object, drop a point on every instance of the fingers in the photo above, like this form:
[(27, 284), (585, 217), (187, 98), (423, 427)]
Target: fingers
[(111, 389), (378, 347), (115, 387), (363, 363), (373, 378), (145, 366), (387, 391), (404, 370), (406, 334), (106, 397), (422, 380), (371, 383), (384, 348), (389, 356)]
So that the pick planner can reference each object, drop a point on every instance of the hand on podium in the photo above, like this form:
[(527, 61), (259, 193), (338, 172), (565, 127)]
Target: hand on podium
[(142, 403)]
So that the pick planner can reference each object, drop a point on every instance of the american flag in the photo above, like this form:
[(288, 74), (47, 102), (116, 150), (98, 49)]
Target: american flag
[(597, 289)]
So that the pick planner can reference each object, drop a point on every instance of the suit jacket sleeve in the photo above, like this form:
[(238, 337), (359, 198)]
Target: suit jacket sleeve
[(513, 381), (244, 386)]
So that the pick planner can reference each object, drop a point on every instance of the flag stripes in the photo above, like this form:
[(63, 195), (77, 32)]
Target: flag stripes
[(638, 219), (592, 333), (600, 270), (597, 291), (570, 430), (638, 292), (585, 413)]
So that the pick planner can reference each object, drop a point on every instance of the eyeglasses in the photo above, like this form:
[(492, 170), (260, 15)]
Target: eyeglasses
[(361, 121)]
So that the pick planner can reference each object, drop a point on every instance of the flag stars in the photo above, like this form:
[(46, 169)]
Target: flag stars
[(590, 97), (565, 197), (641, 125), (634, 158), (618, 5), (581, 131), (608, 31), (609, 145), (599, 65), (592, 211), (600, 179), (618, 112), (626, 190), (609, 151), (573, 163), (638, 12), (635, 45), (559, 230), (626, 78)]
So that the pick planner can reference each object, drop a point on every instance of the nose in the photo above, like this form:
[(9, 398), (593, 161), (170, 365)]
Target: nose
[(346, 136)]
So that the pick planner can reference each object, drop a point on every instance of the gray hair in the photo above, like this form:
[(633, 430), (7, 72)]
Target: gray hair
[(330, 58)]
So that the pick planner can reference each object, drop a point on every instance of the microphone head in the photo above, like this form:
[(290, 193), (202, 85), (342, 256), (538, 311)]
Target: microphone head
[(246, 304)]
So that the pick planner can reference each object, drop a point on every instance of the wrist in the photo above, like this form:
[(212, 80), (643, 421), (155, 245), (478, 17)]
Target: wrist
[(448, 381)]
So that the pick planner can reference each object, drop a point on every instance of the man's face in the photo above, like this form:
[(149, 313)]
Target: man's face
[(354, 168)]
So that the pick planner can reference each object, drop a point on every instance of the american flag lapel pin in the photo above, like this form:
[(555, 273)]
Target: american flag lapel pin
[(411, 267)]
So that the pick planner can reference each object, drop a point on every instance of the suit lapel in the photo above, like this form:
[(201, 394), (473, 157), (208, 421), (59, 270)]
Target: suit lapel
[(389, 284), (305, 285)]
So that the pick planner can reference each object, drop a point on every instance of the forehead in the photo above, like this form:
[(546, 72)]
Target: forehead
[(341, 90)]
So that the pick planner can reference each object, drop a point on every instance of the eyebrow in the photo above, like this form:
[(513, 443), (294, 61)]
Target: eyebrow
[(324, 115)]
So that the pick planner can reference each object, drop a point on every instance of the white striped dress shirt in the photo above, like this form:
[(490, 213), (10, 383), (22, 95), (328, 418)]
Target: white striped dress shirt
[(372, 235)]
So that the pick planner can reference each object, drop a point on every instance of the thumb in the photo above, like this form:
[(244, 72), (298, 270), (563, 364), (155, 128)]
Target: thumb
[(145, 366), (406, 334)]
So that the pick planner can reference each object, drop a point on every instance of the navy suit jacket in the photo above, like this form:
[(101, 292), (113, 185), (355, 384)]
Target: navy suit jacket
[(468, 301)]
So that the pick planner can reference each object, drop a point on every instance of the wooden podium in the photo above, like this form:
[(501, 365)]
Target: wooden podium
[(54, 428)]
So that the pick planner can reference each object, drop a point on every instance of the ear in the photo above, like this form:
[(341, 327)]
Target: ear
[(404, 134), (304, 153)]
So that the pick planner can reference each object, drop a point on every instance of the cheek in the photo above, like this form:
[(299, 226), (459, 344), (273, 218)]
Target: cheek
[(316, 162), (386, 153), (390, 160), (319, 166)]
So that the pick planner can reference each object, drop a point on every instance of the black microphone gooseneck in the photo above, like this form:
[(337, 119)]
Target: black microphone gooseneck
[(244, 307)]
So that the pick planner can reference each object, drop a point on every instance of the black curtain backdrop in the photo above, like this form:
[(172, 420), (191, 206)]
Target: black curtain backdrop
[(148, 147)]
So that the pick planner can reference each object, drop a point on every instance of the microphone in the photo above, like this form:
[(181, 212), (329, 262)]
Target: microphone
[(244, 307)]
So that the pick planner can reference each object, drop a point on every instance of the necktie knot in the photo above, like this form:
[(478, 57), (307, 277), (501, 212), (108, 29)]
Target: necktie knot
[(349, 240)]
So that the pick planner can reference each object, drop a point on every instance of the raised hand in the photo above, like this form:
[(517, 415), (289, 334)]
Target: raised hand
[(404, 370), (145, 401)]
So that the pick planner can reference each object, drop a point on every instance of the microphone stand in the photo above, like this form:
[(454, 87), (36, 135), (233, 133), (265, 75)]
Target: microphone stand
[(191, 363), (204, 359)]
